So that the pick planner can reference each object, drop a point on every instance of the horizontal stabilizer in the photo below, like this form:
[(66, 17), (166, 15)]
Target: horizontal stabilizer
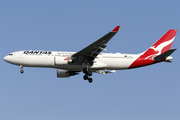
[(168, 61), (164, 55)]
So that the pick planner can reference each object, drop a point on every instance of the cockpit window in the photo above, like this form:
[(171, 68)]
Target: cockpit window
[(10, 54)]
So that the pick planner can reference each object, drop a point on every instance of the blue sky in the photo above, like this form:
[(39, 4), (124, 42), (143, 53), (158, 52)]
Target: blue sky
[(150, 92)]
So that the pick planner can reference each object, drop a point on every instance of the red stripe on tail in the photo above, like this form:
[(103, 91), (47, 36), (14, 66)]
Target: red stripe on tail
[(159, 47)]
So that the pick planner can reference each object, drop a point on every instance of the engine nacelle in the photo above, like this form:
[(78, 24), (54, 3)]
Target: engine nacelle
[(65, 73), (61, 60)]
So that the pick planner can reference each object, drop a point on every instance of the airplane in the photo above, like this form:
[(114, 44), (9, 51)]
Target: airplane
[(91, 59)]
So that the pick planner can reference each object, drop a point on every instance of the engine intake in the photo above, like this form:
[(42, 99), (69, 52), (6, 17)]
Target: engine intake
[(65, 73)]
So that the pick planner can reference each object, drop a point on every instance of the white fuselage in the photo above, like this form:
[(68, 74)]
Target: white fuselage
[(90, 59), (109, 61)]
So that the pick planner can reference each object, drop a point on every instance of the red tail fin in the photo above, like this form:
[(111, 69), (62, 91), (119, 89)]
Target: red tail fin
[(159, 47), (162, 45)]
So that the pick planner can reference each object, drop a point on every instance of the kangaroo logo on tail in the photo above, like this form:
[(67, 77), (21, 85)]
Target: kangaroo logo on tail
[(159, 47)]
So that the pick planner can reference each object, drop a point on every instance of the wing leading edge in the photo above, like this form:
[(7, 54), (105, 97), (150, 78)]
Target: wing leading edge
[(89, 53)]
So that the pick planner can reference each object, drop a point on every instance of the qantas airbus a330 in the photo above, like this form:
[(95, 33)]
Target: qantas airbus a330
[(90, 59)]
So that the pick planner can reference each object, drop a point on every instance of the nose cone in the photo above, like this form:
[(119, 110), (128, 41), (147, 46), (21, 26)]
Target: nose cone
[(5, 58), (8, 59)]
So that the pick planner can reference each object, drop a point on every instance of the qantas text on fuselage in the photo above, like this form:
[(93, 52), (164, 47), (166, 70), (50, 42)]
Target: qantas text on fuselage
[(91, 59)]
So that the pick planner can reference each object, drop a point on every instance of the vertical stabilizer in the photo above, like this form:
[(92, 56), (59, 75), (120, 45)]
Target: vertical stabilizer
[(163, 45)]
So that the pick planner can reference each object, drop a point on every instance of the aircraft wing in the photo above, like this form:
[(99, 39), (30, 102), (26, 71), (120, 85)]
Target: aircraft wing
[(89, 53)]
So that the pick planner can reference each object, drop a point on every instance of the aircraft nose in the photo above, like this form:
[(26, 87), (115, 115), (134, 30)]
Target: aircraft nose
[(10, 59), (5, 58)]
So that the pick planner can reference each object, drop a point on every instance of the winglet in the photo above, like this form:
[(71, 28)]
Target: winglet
[(116, 29)]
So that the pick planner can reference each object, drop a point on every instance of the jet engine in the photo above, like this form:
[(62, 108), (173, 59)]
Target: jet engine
[(65, 73)]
